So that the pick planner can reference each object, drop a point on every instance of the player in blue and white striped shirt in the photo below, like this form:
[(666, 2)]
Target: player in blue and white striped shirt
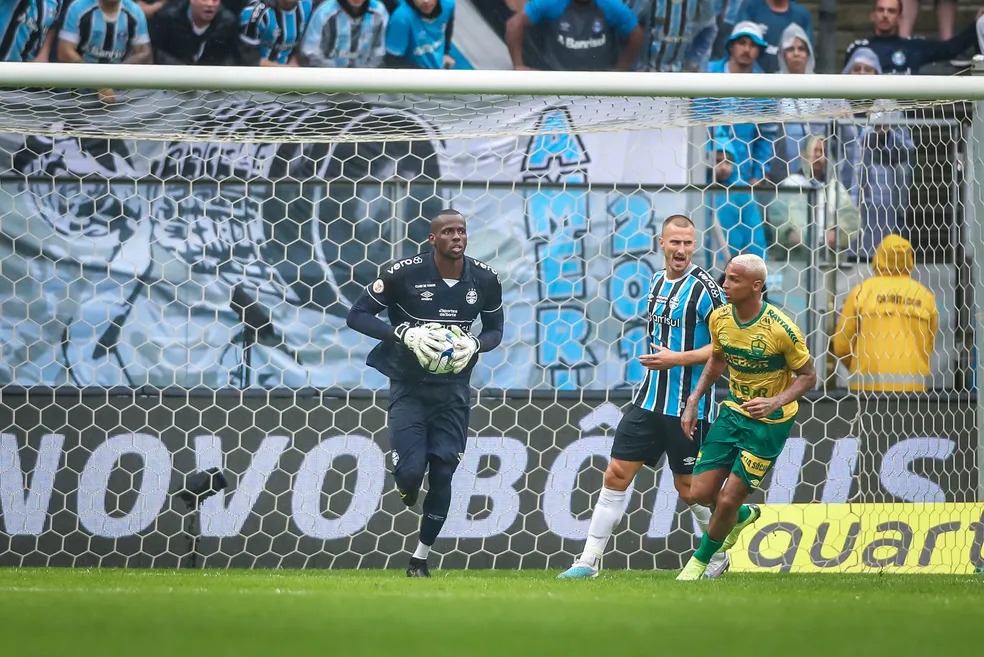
[(680, 304), (275, 28), (104, 32), (24, 28)]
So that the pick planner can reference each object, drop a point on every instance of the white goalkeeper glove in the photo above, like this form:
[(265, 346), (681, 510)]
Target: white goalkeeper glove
[(465, 347), (425, 342)]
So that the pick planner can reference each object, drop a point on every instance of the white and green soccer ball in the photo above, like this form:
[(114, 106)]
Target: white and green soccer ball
[(442, 364)]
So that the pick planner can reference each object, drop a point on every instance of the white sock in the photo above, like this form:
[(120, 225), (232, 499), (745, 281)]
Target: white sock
[(702, 516), (607, 513), (422, 551)]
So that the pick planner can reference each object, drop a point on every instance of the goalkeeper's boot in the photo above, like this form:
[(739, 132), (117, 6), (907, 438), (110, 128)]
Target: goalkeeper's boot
[(580, 570), (732, 538), (418, 568), (694, 570), (719, 565)]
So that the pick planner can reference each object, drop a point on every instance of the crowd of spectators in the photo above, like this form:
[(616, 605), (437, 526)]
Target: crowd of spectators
[(327, 33)]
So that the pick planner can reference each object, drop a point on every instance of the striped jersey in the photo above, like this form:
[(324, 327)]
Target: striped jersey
[(671, 28), (24, 25), (102, 39), (276, 32), (336, 39), (679, 316)]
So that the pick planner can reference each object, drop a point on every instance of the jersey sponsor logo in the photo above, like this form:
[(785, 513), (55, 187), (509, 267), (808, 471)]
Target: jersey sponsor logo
[(667, 321), (482, 265), (582, 44), (754, 465), (755, 364), (445, 312), (471, 297), (426, 295), (416, 260), (789, 331), (377, 286), (428, 48)]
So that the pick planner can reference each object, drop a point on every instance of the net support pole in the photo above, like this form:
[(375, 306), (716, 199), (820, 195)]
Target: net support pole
[(975, 160)]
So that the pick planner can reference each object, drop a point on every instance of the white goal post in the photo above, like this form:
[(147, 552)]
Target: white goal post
[(176, 264)]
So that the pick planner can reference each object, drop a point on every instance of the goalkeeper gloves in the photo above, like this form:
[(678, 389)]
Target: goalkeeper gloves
[(465, 347), (425, 342)]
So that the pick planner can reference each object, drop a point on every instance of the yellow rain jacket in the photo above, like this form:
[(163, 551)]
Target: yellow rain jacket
[(887, 329)]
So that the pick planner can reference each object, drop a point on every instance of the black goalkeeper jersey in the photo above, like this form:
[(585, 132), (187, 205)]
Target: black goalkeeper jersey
[(413, 292)]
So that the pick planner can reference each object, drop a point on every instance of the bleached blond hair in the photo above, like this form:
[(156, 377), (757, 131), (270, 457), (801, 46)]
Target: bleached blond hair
[(752, 264)]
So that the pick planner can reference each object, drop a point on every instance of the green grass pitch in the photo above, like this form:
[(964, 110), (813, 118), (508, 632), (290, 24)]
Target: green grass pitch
[(140, 613)]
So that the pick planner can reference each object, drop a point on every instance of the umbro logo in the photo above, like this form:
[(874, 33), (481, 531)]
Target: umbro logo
[(689, 460), (426, 295)]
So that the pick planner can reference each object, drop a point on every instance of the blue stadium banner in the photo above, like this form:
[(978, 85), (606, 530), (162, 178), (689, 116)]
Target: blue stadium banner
[(137, 262)]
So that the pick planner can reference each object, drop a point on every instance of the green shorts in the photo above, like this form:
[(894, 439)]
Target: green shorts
[(745, 446)]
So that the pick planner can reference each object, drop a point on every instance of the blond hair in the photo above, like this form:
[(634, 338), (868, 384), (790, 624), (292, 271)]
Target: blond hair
[(752, 264)]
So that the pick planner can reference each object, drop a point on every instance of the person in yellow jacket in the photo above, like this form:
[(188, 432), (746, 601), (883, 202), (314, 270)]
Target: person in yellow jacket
[(887, 329)]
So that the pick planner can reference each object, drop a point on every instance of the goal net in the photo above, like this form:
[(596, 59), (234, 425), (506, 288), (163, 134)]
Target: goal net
[(178, 387)]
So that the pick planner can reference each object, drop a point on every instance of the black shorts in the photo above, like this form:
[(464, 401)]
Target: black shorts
[(428, 421), (646, 435)]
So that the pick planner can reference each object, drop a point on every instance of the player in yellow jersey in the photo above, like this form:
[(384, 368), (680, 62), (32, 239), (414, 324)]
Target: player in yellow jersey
[(762, 350)]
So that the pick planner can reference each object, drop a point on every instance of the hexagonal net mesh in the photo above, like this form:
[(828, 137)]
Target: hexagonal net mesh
[(176, 269)]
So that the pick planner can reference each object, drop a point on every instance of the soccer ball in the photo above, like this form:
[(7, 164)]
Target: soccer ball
[(442, 364)]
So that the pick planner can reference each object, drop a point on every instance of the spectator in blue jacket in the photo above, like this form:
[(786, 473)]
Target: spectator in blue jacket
[(741, 152), (775, 16), (752, 143), (738, 223)]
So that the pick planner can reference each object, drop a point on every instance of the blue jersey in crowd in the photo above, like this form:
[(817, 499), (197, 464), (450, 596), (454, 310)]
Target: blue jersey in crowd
[(276, 32), (99, 40), (575, 36), (679, 310), (24, 25), (673, 33), (418, 39), (336, 39), (616, 13)]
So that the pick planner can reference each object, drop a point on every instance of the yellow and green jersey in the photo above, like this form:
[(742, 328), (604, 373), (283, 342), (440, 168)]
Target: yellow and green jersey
[(761, 354)]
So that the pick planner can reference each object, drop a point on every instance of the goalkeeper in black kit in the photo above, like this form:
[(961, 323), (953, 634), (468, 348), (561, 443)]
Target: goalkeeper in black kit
[(427, 351)]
